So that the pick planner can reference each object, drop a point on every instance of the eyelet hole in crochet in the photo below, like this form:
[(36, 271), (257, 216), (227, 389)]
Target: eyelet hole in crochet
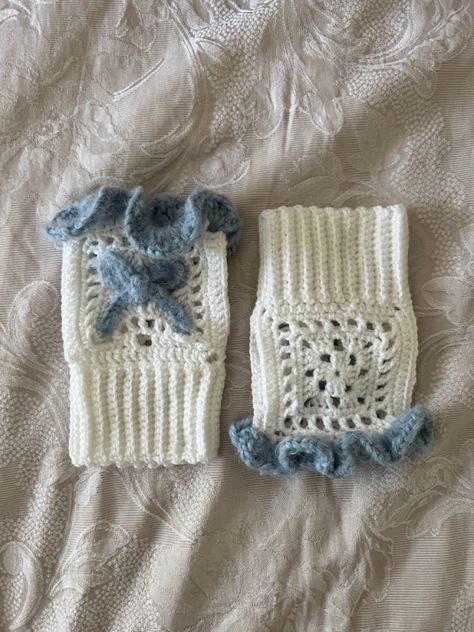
[(335, 424), (320, 424), (322, 385), (381, 414), (325, 357), (283, 326), (304, 423), (337, 343), (309, 373), (336, 401), (366, 420), (284, 342), (287, 422), (352, 359), (350, 423), (143, 340)]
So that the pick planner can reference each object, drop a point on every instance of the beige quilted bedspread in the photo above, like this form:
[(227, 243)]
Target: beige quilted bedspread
[(270, 102)]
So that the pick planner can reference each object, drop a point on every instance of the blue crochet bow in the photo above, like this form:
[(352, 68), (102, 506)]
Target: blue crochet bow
[(149, 283)]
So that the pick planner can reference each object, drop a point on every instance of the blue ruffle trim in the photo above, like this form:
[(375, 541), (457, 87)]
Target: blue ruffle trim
[(167, 226), (163, 230), (408, 435)]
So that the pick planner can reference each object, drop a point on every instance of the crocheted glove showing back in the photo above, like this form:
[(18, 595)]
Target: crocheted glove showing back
[(333, 343), (145, 322)]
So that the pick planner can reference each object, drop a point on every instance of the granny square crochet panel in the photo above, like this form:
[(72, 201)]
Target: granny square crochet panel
[(333, 343), (145, 321)]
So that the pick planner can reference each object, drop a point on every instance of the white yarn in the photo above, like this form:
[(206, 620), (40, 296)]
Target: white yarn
[(333, 334), (146, 395)]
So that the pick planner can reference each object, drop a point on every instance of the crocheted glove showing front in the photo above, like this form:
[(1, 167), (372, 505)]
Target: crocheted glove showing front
[(145, 323), (333, 343)]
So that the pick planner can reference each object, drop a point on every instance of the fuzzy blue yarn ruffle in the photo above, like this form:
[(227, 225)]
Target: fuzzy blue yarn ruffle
[(408, 435), (168, 226)]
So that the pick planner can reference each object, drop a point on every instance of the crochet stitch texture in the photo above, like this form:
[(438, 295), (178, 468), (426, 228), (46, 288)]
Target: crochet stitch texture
[(333, 343), (145, 332)]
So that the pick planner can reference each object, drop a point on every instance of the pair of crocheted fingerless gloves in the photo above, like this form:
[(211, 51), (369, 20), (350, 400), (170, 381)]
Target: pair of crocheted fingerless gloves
[(145, 324)]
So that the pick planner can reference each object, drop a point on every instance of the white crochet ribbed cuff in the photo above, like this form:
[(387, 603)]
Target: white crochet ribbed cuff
[(163, 411), (334, 255)]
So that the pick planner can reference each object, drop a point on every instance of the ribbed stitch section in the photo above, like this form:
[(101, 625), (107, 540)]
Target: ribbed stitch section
[(327, 255), (114, 409)]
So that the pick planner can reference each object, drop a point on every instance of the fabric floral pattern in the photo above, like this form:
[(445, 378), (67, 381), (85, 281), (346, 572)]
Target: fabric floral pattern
[(269, 102)]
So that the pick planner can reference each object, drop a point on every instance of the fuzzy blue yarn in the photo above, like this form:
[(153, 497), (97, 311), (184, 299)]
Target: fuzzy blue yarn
[(409, 434), (164, 229), (91, 214), (221, 216), (153, 239), (150, 283), (169, 226)]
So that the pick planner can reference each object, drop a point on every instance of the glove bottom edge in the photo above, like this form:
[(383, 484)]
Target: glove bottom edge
[(409, 434)]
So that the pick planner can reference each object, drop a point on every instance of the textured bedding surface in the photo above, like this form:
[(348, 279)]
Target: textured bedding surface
[(271, 103)]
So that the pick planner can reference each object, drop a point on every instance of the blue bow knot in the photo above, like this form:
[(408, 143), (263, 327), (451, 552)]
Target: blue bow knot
[(149, 283)]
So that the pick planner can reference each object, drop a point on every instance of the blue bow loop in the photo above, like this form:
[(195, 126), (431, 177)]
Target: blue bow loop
[(169, 226), (220, 214), (93, 213)]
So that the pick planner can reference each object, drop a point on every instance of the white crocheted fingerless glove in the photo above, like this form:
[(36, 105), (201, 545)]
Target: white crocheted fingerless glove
[(333, 343), (144, 337)]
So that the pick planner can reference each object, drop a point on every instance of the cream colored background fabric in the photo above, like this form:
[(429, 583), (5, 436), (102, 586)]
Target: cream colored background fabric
[(272, 103)]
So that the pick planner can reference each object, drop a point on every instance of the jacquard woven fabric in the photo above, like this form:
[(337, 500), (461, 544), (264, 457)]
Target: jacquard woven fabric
[(340, 103), (333, 343)]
